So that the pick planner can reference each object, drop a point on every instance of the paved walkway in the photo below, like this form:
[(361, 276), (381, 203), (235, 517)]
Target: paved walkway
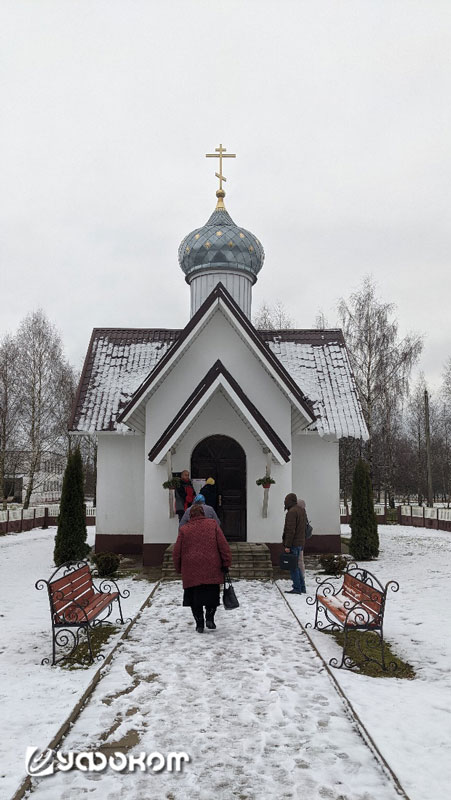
[(250, 702)]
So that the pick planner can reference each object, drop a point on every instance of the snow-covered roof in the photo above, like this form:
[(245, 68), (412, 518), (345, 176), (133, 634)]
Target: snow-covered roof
[(219, 298), (319, 363), (118, 360)]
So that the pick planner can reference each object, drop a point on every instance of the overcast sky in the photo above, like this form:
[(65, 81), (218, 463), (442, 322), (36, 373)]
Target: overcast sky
[(339, 113)]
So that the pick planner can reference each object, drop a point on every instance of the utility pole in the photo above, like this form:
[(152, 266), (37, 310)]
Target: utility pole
[(428, 448)]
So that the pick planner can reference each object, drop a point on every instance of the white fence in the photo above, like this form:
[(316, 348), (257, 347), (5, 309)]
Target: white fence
[(379, 509), (37, 513), (427, 513)]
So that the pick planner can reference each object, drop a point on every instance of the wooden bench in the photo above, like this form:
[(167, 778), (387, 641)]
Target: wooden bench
[(357, 604), (77, 605)]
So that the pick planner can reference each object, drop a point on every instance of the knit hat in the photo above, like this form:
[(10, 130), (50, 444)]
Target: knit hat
[(210, 481), (199, 499), (290, 500)]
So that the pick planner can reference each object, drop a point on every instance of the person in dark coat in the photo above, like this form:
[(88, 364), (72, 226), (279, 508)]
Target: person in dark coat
[(200, 553), (184, 494), (301, 504), (209, 492), (293, 539)]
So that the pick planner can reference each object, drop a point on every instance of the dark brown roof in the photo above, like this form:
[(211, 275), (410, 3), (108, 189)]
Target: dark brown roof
[(314, 336), (117, 361), (200, 390)]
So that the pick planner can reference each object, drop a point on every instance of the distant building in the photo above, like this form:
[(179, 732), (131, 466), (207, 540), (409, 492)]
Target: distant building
[(48, 481), (13, 488)]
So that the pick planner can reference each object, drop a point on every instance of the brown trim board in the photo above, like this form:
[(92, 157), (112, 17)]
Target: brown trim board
[(125, 543), (220, 292), (153, 552), (200, 390)]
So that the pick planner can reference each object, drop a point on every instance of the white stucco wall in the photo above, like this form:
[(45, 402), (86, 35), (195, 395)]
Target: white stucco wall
[(218, 417), (218, 340), (316, 479), (120, 484)]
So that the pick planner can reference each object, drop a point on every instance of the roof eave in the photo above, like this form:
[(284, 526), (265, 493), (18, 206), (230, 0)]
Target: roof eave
[(218, 375), (199, 319)]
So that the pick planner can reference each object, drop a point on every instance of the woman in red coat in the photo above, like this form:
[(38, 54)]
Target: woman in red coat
[(200, 553)]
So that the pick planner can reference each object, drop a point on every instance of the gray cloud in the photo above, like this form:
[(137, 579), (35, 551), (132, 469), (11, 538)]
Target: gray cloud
[(339, 114)]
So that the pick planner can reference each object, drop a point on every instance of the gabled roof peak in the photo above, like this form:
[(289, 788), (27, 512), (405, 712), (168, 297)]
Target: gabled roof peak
[(220, 293), (198, 397)]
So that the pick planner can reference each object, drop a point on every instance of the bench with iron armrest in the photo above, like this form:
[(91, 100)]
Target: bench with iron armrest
[(358, 604), (77, 605)]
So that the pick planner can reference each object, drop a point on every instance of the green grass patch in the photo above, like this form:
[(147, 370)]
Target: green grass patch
[(99, 638), (392, 516), (367, 643)]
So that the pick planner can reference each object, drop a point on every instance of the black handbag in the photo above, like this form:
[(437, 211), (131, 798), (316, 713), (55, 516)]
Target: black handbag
[(308, 530), (229, 597), (288, 561)]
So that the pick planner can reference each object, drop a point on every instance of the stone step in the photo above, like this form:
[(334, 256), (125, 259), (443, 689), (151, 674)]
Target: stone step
[(250, 560)]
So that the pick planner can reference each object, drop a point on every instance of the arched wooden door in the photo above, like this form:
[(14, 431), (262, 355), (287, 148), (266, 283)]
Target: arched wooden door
[(223, 459)]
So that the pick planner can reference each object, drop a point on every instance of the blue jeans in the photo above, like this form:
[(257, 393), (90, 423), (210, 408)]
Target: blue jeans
[(296, 574)]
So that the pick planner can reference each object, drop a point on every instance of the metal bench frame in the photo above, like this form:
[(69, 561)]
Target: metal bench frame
[(71, 622), (364, 613)]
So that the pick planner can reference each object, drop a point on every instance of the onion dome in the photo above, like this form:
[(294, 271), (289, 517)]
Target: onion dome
[(221, 245)]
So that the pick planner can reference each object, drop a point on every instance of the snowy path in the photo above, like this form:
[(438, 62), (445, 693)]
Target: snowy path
[(250, 702), (35, 700), (410, 721)]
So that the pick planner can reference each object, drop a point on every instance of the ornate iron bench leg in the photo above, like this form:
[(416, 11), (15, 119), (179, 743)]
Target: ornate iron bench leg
[(120, 609), (384, 667), (88, 635), (53, 646), (345, 645), (316, 614)]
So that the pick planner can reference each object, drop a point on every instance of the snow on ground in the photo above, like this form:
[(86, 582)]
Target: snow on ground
[(251, 703), (410, 721), (35, 700)]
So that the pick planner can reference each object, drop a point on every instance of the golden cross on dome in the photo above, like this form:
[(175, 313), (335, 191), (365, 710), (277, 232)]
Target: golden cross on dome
[(220, 152)]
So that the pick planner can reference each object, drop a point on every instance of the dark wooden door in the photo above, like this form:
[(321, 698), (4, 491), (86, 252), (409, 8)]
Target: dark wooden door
[(223, 459)]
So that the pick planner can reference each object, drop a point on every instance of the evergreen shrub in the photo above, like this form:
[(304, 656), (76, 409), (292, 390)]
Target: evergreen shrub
[(70, 540), (364, 542), (107, 564), (333, 563)]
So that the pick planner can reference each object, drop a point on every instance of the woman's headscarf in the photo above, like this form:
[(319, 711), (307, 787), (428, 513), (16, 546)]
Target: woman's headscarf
[(301, 504), (196, 511)]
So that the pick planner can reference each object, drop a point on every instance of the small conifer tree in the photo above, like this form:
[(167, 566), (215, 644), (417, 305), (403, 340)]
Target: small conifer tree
[(70, 540), (364, 542)]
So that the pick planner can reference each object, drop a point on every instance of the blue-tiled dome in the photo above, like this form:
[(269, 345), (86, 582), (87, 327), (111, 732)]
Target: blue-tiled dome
[(221, 244)]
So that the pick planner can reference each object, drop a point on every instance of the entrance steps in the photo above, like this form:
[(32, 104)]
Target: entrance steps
[(249, 560)]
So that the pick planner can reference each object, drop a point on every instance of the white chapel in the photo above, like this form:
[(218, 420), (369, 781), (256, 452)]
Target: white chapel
[(221, 399)]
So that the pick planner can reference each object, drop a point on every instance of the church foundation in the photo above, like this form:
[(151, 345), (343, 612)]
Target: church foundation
[(153, 553)]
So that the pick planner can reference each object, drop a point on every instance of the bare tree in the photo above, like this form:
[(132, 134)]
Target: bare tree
[(9, 413), (321, 320), (47, 385), (446, 387), (381, 361), (416, 427), (272, 318), (444, 424)]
